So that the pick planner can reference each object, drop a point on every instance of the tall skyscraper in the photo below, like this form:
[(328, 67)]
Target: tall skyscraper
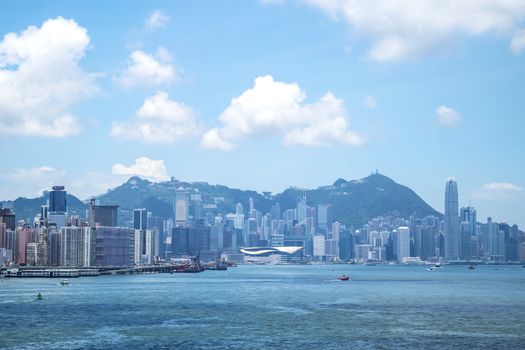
[(276, 211), (57, 207), (58, 200), (145, 246), (140, 219), (467, 229), (7, 217), (196, 206), (181, 207), (324, 216), (238, 209), (452, 241), (403, 243), (319, 249), (301, 210), (468, 214)]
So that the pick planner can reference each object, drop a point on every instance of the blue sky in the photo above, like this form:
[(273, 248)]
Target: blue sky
[(265, 95)]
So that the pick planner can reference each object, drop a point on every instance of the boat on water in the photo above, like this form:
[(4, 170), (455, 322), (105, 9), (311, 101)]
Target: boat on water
[(218, 265), (64, 282), (39, 296), (472, 267), (343, 278), (435, 267)]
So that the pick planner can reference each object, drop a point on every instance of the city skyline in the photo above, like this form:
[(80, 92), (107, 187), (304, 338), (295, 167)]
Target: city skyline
[(421, 108), (441, 209), (202, 226)]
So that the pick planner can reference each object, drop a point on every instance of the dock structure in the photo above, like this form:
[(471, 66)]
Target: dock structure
[(46, 272), (139, 269), (189, 266)]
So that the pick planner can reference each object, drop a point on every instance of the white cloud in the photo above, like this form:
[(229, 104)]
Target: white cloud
[(157, 19), (502, 186), (448, 117), (498, 190), (408, 29), (159, 120), (40, 79), (517, 45), (370, 102), (154, 170), (275, 107), (145, 69), (212, 140), (40, 172)]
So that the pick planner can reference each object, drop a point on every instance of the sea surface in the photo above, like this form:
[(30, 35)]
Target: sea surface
[(271, 307)]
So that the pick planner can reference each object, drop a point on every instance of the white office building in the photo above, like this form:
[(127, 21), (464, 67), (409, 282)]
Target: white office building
[(403, 243)]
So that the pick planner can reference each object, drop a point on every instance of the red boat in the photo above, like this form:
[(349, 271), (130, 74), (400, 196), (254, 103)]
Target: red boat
[(343, 278)]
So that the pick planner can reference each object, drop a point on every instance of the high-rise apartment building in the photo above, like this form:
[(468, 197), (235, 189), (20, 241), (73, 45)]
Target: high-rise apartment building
[(78, 246), (146, 246)]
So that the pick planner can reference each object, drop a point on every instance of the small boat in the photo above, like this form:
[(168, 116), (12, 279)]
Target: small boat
[(39, 296), (472, 267), (343, 278), (64, 282)]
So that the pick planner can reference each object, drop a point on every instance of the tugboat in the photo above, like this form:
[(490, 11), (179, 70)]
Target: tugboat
[(39, 296), (343, 278)]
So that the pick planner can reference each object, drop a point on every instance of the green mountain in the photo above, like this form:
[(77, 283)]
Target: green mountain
[(27, 208), (356, 202), (353, 202)]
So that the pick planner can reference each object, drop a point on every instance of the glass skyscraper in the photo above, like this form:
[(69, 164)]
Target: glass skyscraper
[(58, 200), (451, 220)]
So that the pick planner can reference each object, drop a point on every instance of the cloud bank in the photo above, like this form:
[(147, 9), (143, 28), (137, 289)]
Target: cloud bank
[(159, 120), (272, 107), (41, 79), (154, 170), (409, 29)]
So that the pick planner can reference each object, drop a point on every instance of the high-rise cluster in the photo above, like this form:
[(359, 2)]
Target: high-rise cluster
[(214, 227)]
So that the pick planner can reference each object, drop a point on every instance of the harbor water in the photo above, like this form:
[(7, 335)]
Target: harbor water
[(271, 307)]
